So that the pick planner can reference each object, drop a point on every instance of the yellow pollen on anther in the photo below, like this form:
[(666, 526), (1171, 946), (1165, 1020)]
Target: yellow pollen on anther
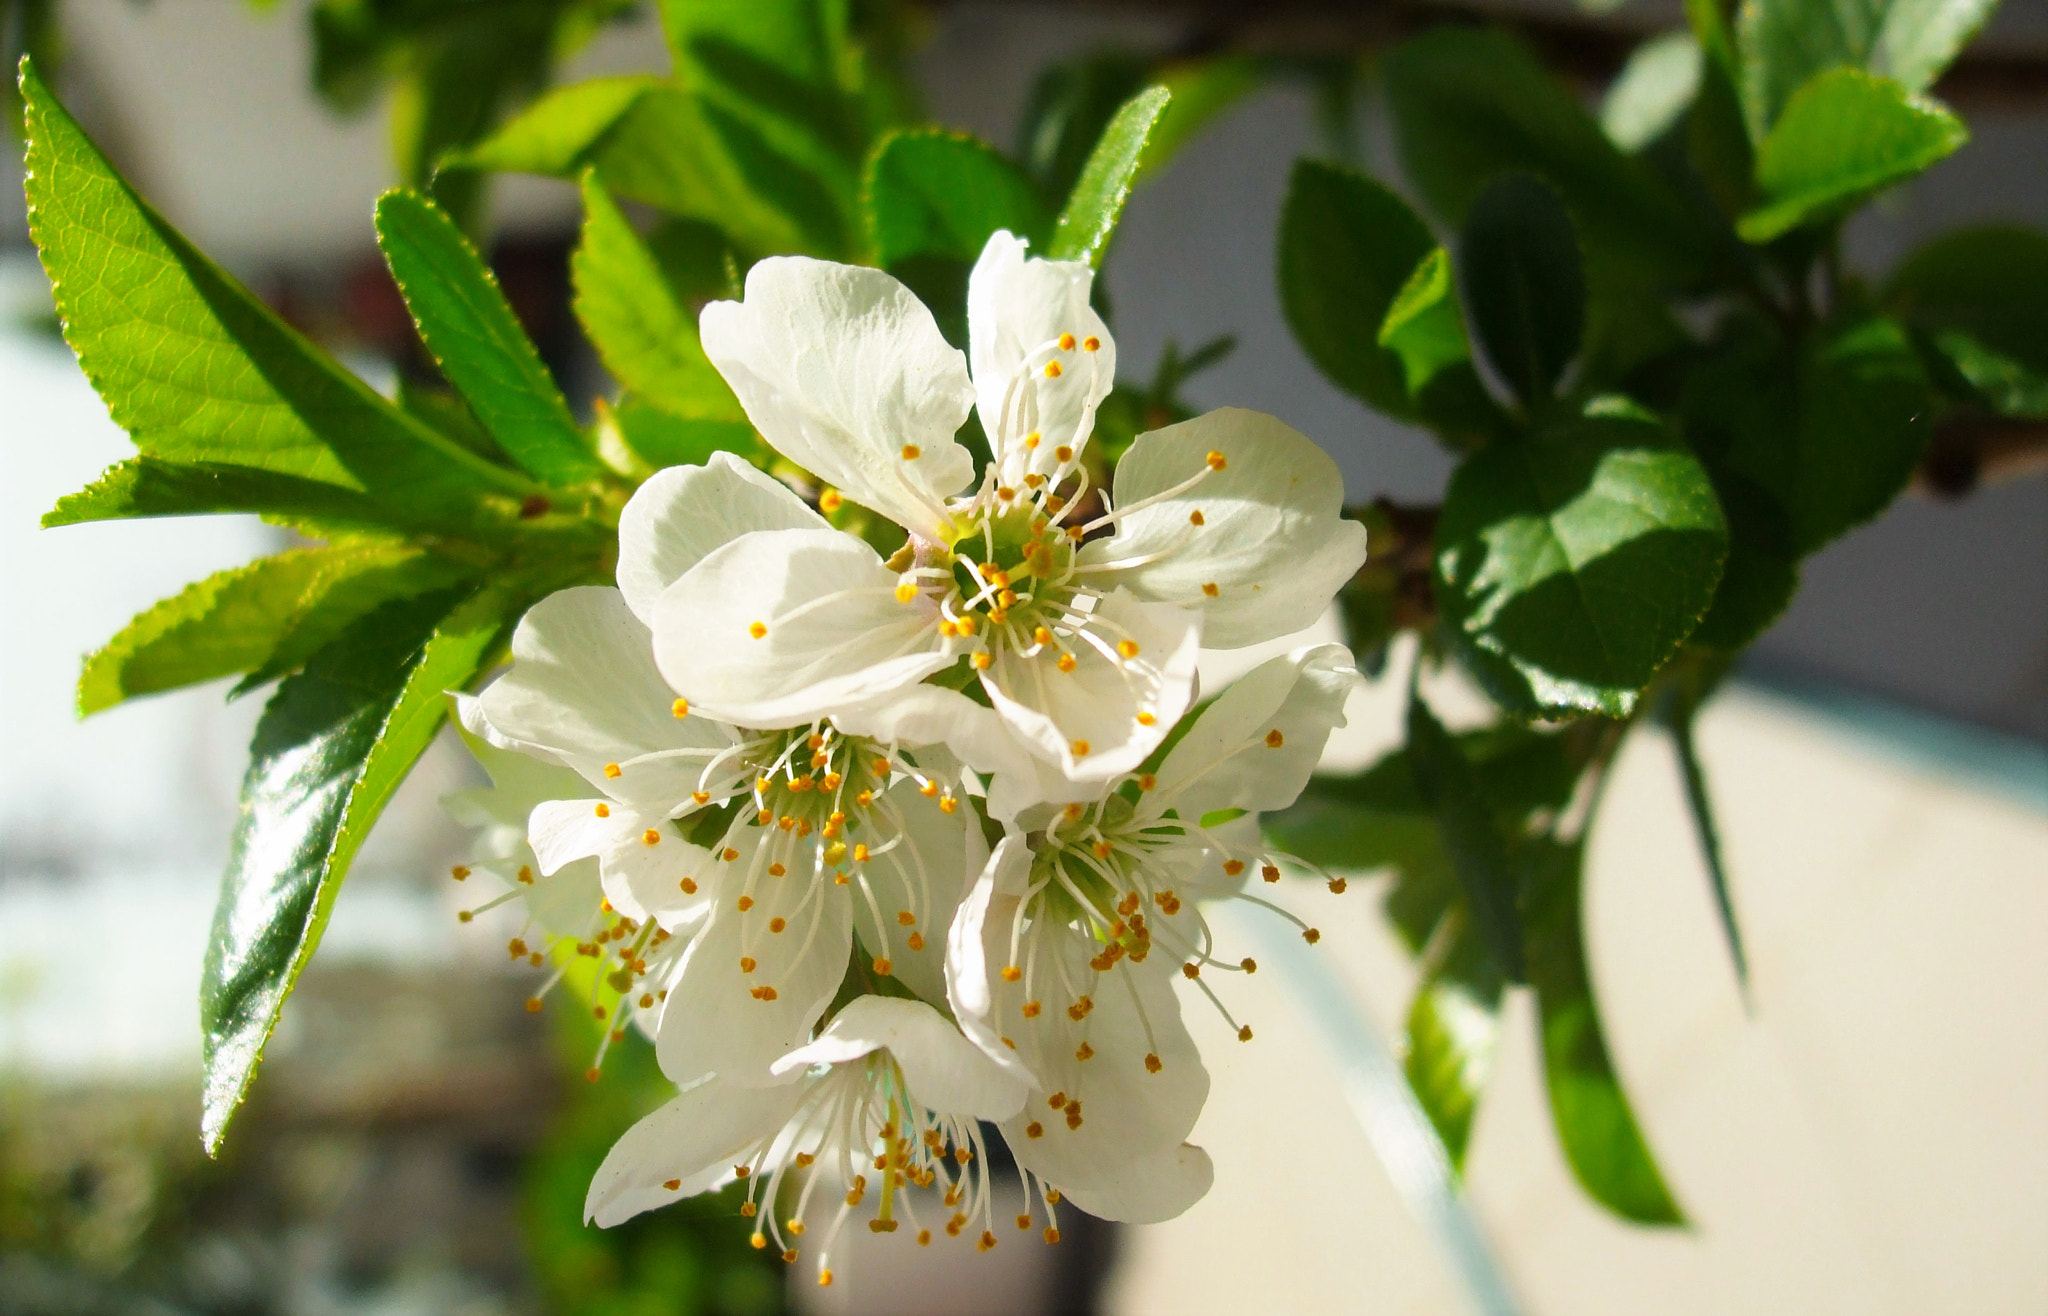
[(1127, 648), (860, 854), (1064, 454), (746, 964), (916, 941), (776, 870), (1146, 781), (611, 769), (966, 625), (929, 790), (1210, 589), (1052, 370), (1271, 872), (911, 452), (948, 628), (948, 804), (757, 630), (1066, 342), (603, 811), (681, 708), (458, 872), (777, 924), (1216, 461), (729, 854), (744, 903), (982, 661), (650, 837), (700, 797), (1244, 1034), (825, 1278), (689, 886), (1248, 964), (830, 501), (1011, 973), (1274, 739), (1311, 936), (1153, 1064), (883, 965), (1031, 1009), (1031, 442), (1079, 748), (1066, 662), (672, 1184), (1191, 970), (1233, 866), (1146, 719), (1195, 517), (906, 592), (1337, 886), (988, 1240)]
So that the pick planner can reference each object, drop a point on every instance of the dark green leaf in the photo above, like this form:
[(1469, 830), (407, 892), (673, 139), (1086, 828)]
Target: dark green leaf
[(469, 327), (1653, 90), (1598, 1130), (697, 260), (1472, 836), (1469, 104), (802, 41), (266, 617), (1424, 326), (1097, 202), (1523, 283), (1786, 43), (661, 438), (937, 194), (1843, 137), (645, 337), (1581, 557), (197, 370), (1763, 566), (1995, 381), (1068, 106), (144, 486), (1679, 715), (1988, 283), (1717, 136), (1348, 246), (333, 744)]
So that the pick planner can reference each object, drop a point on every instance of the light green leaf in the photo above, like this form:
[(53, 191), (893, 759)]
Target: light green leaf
[(1581, 557), (144, 486), (197, 370), (1348, 246), (1523, 277), (557, 133), (1652, 91), (1451, 1035), (939, 195), (266, 617), (661, 438), (1843, 137), (469, 327), (1601, 1139), (1424, 326), (331, 747), (1086, 225), (1470, 104), (646, 339), (1786, 43)]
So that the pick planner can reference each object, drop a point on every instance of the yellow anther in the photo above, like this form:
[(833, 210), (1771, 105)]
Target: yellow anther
[(1063, 453), (1084, 1052), (1233, 867), (948, 804), (911, 452), (1091, 343), (777, 924), (1031, 440), (1031, 1009), (1066, 662), (929, 790), (988, 1240), (1079, 748), (830, 501), (672, 1184), (1216, 461), (1244, 1034), (1011, 973), (764, 993), (1057, 1100), (1040, 635), (924, 1238), (1146, 719), (1153, 1064), (966, 625), (744, 903), (747, 1209), (906, 592), (533, 1005), (746, 964), (526, 874), (1104, 849), (1073, 812), (611, 769), (1274, 739), (982, 661), (757, 630), (916, 941), (729, 854), (1248, 964), (1146, 781), (1191, 970), (1052, 370), (1127, 648), (789, 1256), (785, 822), (883, 966), (1006, 493), (1032, 481), (689, 886), (1195, 517), (592, 1074), (681, 708), (1034, 1130), (1337, 886), (603, 811), (835, 853), (700, 797), (774, 870), (1052, 1235), (465, 916), (1311, 936), (949, 629), (1066, 342), (650, 837), (906, 918), (1271, 872), (759, 1240), (825, 1278), (1210, 589), (864, 798), (458, 872), (860, 853), (881, 767)]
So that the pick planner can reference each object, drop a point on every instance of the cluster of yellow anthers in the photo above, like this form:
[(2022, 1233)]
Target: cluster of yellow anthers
[(632, 958), (861, 1119)]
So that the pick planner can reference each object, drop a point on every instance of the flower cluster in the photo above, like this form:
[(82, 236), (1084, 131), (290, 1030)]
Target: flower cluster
[(880, 845)]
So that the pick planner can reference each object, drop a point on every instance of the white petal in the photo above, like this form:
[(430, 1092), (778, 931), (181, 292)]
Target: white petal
[(1087, 720), (830, 630), (1143, 1190), (842, 369), (1255, 746), (682, 513), (693, 1141), (583, 686), (1272, 541), (712, 1022), (926, 715), (1016, 306), (924, 876), (521, 775), (977, 948), (942, 1069), (642, 880)]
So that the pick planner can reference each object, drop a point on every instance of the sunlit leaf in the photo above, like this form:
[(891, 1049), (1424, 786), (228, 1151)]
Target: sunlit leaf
[(1097, 201)]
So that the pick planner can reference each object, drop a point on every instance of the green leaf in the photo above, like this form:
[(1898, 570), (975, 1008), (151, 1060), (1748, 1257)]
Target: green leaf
[(1830, 430), (1469, 104), (1581, 557), (939, 195), (1679, 715), (332, 745), (1083, 229), (644, 336), (1843, 137), (1762, 573), (1990, 284), (653, 141), (1653, 90), (266, 617), (469, 327), (144, 486), (660, 438), (1348, 248), (1522, 276), (1787, 43), (1451, 1035), (1601, 1139), (697, 259), (1472, 836), (197, 370), (1068, 106), (1423, 325)]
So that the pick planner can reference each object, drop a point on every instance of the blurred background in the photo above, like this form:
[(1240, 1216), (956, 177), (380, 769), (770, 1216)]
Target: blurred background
[(1868, 1133)]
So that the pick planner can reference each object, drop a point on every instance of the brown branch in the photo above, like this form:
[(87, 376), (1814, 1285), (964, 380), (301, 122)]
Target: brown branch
[(1970, 450)]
